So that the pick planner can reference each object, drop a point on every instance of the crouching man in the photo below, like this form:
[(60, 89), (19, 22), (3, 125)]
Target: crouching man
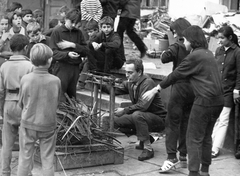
[(142, 116)]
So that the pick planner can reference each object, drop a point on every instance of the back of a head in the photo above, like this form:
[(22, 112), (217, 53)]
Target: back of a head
[(74, 15), (194, 34), (106, 20), (179, 26), (18, 42), (53, 22), (14, 5), (40, 53), (91, 25)]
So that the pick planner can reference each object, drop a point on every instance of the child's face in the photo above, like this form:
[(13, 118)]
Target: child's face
[(34, 36), (3, 25), (222, 40), (17, 21), (107, 29), (187, 44), (27, 18), (92, 32)]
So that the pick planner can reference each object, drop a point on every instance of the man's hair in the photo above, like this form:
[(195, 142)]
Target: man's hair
[(91, 25), (106, 20), (53, 22), (64, 9), (40, 53), (14, 5), (18, 42), (138, 64), (194, 34), (33, 27), (26, 11), (74, 15)]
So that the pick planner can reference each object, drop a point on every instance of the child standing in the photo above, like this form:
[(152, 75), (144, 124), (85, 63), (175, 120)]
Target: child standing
[(39, 101), (106, 47), (90, 9), (11, 73), (27, 17), (16, 22), (200, 68)]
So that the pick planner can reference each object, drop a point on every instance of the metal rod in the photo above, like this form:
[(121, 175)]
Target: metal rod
[(112, 107), (95, 100)]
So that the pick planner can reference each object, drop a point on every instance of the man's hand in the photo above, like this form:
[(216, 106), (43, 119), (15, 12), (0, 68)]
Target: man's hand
[(236, 96), (66, 44), (119, 112), (151, 93), (73, 55)]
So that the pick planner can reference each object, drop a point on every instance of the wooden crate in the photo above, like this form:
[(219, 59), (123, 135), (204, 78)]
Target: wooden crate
[(82, 156)]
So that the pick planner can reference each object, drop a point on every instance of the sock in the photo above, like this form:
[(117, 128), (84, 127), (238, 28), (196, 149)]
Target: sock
[(171, 156), (205, 168), (193, 173)]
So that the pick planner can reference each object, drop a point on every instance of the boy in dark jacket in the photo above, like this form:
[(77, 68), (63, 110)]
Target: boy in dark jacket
[(106, 47)]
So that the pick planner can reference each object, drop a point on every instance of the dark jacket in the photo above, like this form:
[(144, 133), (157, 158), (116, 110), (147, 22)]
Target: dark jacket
[(110, 8), (138, 104), (200, 67), (229, 69), (112, 41), (45, 40), (75, 36), (131, 9)]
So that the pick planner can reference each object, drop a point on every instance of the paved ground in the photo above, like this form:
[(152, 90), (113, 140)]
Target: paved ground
[(225, 165)]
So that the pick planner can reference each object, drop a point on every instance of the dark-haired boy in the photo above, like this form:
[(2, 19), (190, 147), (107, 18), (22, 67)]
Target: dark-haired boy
[(68, 47), (27, 17), (11, 73), (15, 7), (106, 47)]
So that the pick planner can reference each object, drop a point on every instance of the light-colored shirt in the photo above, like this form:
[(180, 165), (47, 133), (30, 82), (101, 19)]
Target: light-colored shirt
[(91, 9)]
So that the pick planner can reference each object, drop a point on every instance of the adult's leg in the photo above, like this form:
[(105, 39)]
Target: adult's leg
[(200, 119), (74, 72), (122, 26), (220, 129), (135, 38)]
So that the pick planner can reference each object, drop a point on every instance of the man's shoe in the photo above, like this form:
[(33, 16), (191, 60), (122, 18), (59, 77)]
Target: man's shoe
[(140, 146), (146, 154)]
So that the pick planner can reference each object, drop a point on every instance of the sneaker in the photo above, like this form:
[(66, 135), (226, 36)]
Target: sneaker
[(146, 154)]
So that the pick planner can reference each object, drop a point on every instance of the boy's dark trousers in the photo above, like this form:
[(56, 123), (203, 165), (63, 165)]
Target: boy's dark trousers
[(127, 24), (68, 74), (179, 108), (199, 141), (108, 59)]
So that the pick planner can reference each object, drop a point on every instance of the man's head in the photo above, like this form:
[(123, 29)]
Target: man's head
[(106, 25), (134, 69), (92, 28), (53, 22), (15, 19), (34, 31), (27, 15), (41, 55), (15, 6), (73, 17), (19, 43), (63, 11)]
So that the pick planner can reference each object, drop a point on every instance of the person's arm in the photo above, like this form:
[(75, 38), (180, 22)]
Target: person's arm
[(170, 54), (98, 16), (115, 42), (58, 54), (236, 91), (141, 105), (118, 90), (2, 93)]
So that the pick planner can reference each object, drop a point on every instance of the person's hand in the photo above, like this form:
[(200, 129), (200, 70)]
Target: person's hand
[(236, 96), (119, 112), (5, 36), (73, 55), (96, 46), (151, 93), (65, 44)]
